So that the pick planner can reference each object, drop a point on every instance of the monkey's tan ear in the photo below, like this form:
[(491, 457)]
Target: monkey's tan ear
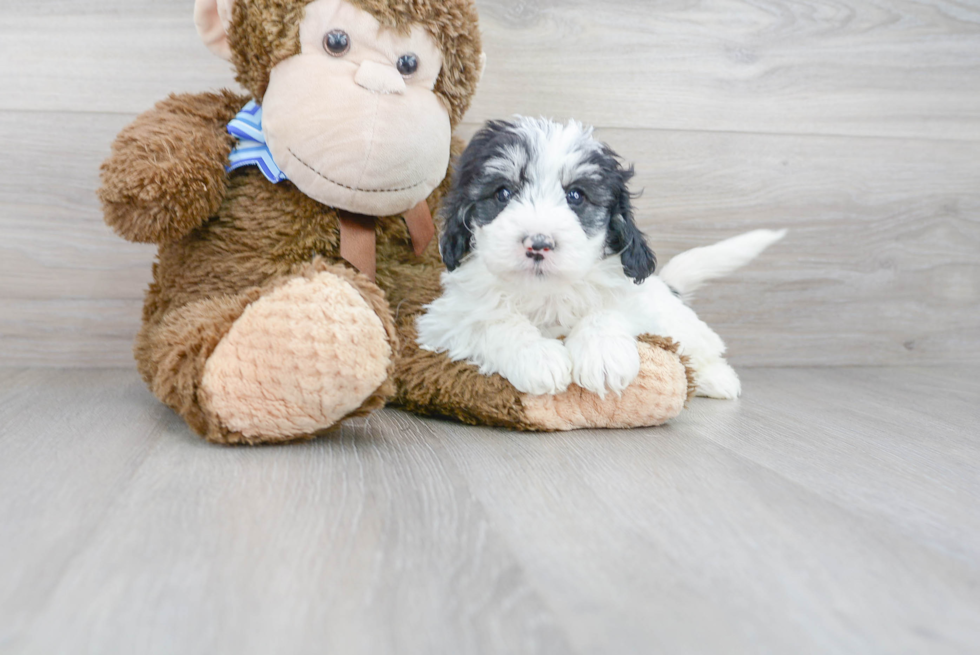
[(213, 18)]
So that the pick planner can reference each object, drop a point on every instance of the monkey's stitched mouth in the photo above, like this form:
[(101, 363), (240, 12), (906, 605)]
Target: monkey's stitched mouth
[(353, 188)]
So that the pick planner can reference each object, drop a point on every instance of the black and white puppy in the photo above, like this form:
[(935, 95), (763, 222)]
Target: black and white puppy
[(540, 244)]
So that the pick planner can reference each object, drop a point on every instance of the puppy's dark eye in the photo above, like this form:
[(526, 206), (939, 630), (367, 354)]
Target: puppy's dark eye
[(503, 195), (575, 197), (336, 43), (407, 64)]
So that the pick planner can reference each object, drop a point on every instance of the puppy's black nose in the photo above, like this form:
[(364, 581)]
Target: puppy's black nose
[(539, 243)]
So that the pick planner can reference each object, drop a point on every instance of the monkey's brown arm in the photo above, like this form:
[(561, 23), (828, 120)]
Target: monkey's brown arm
[(166, 173)]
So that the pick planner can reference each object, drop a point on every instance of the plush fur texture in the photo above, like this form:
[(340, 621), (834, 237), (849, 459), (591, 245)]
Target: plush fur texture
[(286, 366), (549, 279), (254, 329), (658, 394), (166, 174)]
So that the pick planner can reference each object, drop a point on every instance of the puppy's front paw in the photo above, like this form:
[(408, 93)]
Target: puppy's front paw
[(541, 367), (718, 380), (604, 362)]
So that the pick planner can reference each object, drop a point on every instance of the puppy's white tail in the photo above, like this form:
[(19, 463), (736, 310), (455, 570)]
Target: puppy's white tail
[(688, 271)]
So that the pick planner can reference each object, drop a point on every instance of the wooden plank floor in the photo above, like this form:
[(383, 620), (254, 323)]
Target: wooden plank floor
[(830, 510)]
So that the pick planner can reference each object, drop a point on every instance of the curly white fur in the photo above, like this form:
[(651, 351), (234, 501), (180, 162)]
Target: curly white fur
[(570, 314)]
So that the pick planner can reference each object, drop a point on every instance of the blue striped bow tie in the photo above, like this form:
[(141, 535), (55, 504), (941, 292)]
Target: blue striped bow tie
[(251, 149)]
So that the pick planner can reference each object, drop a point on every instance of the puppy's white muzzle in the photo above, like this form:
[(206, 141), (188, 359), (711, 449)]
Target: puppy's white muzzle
[(539, 240)]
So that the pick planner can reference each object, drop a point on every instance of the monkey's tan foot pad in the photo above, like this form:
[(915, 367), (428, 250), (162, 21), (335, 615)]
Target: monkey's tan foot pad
[(657, 395), (297, 361)]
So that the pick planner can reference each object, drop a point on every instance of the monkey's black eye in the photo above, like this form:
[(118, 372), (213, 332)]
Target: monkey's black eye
[(575, 197), (503, 195), (337, 43), (407, 64)]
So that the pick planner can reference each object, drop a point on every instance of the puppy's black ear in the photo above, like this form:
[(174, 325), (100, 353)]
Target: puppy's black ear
[(625, 237), (457, 231), (454, 244)]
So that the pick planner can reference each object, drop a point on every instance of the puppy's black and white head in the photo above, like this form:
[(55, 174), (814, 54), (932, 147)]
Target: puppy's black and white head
[(537, 199)]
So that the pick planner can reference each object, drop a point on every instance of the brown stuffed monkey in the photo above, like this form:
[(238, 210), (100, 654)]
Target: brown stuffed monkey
[(296, 251)]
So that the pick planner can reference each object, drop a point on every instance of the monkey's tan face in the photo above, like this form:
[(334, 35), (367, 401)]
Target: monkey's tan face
[(353, 120)]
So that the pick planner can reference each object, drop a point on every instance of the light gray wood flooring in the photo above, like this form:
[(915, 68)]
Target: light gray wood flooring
[(828, 511), (856, 123)]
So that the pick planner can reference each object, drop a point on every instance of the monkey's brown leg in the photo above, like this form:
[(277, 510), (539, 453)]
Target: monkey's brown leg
[(279, 363), (430, 384), (660, 391)]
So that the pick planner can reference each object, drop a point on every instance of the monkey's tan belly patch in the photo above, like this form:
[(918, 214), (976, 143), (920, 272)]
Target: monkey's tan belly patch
[(297, 360), (656, 395)]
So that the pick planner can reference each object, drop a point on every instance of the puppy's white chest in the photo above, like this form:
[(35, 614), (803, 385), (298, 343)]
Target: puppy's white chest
[(555, 316)]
